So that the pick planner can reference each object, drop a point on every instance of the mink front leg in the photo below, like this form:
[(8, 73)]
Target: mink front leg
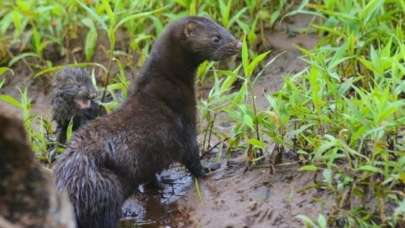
[(191, 159), (61, 133)]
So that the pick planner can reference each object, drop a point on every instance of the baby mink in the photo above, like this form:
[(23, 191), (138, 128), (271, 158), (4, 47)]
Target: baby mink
[(73, 100), (156, 126), (28, 196)]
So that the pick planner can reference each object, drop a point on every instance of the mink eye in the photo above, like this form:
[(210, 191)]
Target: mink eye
[(216, 38)]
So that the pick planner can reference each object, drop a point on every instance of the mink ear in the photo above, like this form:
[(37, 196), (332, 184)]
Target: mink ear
[(189, 29)]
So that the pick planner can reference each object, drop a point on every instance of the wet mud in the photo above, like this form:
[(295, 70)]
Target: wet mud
[(152, 207)]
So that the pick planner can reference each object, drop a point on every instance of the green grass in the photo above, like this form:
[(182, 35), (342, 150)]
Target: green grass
[(343, 115)]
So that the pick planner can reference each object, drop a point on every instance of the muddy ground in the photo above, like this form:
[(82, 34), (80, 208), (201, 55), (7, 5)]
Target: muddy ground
[(233, 195)]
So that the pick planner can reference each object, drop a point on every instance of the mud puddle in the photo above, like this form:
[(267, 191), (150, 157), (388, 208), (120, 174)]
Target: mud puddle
[(151, 207), (233, 196)]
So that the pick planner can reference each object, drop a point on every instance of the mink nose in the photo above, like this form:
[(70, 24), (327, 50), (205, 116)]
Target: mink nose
[(238, 44)]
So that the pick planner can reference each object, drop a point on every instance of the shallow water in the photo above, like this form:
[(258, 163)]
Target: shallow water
[(157, 208)]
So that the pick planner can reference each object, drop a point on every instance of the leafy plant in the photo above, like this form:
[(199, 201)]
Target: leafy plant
[(36, 126)]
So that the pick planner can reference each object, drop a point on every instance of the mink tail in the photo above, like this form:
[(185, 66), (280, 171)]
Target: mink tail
[(95, 193)]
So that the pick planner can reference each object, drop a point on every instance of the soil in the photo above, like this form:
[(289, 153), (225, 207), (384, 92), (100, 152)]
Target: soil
[(256, 198), (233, 195)]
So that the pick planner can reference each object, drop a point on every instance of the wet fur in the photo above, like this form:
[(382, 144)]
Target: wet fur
[(156, 126), (71, 84), (28, 197)]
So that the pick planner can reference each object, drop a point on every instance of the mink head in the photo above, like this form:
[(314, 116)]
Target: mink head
[(75, 87), (14, 148), (206, 39)]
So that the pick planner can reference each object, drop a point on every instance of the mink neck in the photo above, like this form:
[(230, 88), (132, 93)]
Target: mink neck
[(169, 60), (169, 76)]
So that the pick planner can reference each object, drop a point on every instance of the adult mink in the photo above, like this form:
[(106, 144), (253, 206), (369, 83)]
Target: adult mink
[(73, 100), (156, 126), (28, 196)]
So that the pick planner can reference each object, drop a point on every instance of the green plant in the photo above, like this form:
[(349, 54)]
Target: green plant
[(238, 105), (3, 70), (344, 114), (36, 126), (320, 223)]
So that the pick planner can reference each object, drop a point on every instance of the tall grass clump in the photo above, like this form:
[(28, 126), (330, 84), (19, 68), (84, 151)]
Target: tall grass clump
[(345, 115), (34, 29), (38, 128)]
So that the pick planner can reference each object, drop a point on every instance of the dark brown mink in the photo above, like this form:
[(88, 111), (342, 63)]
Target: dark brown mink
[(28, 195), (73, 99), (155, 127)]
